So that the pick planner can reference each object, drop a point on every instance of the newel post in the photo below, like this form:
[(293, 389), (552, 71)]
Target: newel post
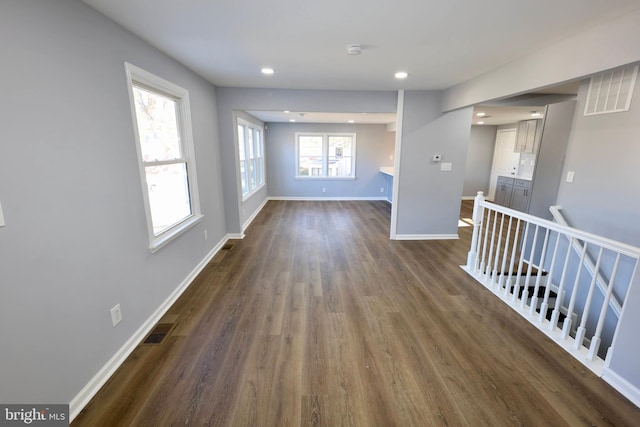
[(478, 214)]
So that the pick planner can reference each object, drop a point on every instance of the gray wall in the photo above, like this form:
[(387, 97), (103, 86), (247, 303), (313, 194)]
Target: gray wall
[(482, 142), (246, 99), (603, 199), (550, 157), (603, 152), (75, 242), (374, 145), (428, 200)]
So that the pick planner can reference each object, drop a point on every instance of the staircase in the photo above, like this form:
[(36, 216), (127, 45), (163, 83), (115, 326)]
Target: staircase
[(566, 282)]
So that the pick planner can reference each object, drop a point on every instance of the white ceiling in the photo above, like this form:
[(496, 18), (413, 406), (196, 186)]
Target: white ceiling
[(327, 117), (494, 115), (501, 115), (439, 43)]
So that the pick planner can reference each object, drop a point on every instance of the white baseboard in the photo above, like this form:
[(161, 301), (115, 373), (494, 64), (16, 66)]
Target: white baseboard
[(253, 216), (627, 389), (425, 237), (235, 236), (328, 199), (468, 197), (93, 386)]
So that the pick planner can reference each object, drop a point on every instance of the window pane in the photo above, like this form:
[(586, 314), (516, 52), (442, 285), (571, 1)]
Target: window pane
[(168, 195), (250, 142), (241, 142), (310, 155), (243, 176), (259, 172), (340, 156), (310, 146), (252, 174), (157, 120), (258, 142)]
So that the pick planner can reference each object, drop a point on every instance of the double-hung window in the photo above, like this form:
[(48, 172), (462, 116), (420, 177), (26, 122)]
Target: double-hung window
[(162, 123), (251, 156), (326, 155)]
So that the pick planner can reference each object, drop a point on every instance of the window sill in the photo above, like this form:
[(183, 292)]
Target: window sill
[(247, 196), (325, 178), (158, 242)]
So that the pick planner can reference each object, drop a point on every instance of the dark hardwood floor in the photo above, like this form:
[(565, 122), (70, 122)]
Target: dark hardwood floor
[(317, 318)]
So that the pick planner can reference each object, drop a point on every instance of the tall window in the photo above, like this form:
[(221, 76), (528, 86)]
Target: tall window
[(251, 154), (326, 155), (162, 125)]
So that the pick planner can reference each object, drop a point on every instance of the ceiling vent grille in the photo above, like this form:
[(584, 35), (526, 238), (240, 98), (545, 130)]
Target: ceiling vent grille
[(611, 92)]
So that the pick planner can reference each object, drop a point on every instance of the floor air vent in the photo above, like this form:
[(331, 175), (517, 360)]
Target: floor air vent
[(158, 333), (228, 246)]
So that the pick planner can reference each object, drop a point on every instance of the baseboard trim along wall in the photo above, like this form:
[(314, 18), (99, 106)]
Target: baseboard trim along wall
[(253, 216), (93, 386), (328, 199), (425, 237), (627, 389)]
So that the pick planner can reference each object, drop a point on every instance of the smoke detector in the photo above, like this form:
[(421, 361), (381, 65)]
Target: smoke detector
[(354, 49)]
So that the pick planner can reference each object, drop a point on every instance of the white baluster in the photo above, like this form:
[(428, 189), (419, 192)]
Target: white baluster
[(505, 254), (536, 289), (513, 258), (545, 301), (595, 341), (493, 239), (582, 329), (527, 281), (556, 310), (484, 243), (566, 327), (516, 286), (497, 257), (478, 213)]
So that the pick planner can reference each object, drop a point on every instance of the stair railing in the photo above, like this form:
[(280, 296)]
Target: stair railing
[(556, 212), (545, 271)]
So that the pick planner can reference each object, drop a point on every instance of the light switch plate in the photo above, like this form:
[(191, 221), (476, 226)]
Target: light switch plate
[(570, 175), (445, 167), (1, 217)]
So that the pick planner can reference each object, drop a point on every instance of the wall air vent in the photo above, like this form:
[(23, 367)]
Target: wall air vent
[(611, 92)]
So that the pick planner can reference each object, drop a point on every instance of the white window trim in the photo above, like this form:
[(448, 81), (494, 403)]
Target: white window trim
[(155, 83), (247, 124), (325, 156)]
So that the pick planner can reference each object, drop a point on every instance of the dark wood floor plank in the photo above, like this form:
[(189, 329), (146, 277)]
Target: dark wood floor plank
[(316, 318)]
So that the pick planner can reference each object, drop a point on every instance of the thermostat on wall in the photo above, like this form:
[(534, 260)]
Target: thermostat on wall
[(436, 157)]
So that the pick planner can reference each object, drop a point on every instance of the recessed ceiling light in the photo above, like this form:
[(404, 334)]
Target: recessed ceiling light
[(535, 114), (401, 75), (480, 114), (287, 111), (354, 49), (267, 70), (480, 123), (352, 121), (292, 120)]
